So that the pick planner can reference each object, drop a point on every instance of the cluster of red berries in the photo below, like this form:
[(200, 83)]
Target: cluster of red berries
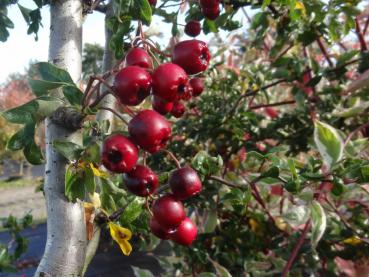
[(150, 131), (210, 9)]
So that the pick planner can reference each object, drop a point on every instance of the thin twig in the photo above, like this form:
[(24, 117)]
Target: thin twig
[(354, 132), (324, 51), (178, 165), (224, 182), (115, 113)]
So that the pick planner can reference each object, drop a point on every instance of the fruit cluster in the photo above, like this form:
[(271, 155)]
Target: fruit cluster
[(150, 131)]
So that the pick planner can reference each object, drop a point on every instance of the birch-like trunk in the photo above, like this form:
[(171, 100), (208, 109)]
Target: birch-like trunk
[(66, 232)]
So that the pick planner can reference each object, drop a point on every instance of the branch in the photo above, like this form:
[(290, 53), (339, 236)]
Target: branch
[(224, 182), (324, 51), (354, 132), (272, 104), (360, 36)]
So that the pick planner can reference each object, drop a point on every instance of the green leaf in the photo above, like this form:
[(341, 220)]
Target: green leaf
[(272, 172), (41, 87), (221, 270), (22, 114), (145, 13), (23, 137), (329, 143), (205, 164), (73, 94), (33, 153), (211, 222), (92, 153), (51, 73), (132, 211), (33, 111), (25, 12), (88, 180), (318, 223), (71, 151), (73, 187)]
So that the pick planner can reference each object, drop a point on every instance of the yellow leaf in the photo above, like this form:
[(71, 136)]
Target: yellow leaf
[(254, 225), (95, 200), (299, 6), (97, 172), (121, 236), (353, 241)]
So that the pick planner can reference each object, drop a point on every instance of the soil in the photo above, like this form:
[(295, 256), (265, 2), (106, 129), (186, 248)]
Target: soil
[(18, 201)]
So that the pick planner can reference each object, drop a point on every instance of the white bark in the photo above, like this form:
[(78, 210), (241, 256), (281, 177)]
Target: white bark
[(108, 63), (66, 232), (109, 102)]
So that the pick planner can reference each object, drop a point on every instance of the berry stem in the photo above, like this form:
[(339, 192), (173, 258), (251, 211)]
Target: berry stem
[(172, 157), (115, 113), (148, 206), (224, 182)]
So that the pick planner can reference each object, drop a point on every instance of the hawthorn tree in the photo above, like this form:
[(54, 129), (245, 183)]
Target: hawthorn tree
[(273, 151)]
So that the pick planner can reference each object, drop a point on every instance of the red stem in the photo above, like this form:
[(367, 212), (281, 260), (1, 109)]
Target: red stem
[(360, 36), (324, 51)]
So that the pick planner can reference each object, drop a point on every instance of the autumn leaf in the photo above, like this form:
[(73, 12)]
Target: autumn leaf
[(121, 236)]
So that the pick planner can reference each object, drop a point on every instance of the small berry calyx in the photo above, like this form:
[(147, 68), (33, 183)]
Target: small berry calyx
[(168, 212), (192, 55), (184, 183), (185, 234), (197, 85), (119, 154), (132, 85), (138, 57), (178, 109), (170, 82), (150, 130), (157, 230), (161, 106), (192, 28), (141, 181)]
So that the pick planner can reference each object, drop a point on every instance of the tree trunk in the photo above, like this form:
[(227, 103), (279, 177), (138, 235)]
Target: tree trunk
[(66, 232), (108, 63), (109, 102)]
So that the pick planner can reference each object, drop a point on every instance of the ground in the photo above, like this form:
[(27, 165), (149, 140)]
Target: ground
[(20, 197)]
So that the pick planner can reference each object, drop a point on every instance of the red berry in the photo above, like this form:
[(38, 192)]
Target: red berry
[(132, 85), (138, 57), (141, 181), (168, 211), (178, 110), (157, 230), (184, 183), (197, 85), (192, 55), (271, 112), (152, 2), (170, 82), (185, 234), (209, 3), (192, 28), (150, 130), (211, 13), (119, 154), (161, 106)]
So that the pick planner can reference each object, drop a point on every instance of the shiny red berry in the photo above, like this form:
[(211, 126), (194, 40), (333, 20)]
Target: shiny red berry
[(192, 28), (168, 211), (119, 154), (185, 234), (211, 13), (197, 85), (132, 85), (161, 106), (170, 82), (178, 109), (184, 183), (141, 181), (152, 2), (192, 55), (157, 230), (138, 57), (209, 3), (150, 130)]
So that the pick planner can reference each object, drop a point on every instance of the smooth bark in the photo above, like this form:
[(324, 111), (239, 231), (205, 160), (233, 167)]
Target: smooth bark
[(66, 231)]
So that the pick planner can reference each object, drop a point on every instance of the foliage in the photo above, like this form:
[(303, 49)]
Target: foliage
[(9, 254), (280, 145)]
